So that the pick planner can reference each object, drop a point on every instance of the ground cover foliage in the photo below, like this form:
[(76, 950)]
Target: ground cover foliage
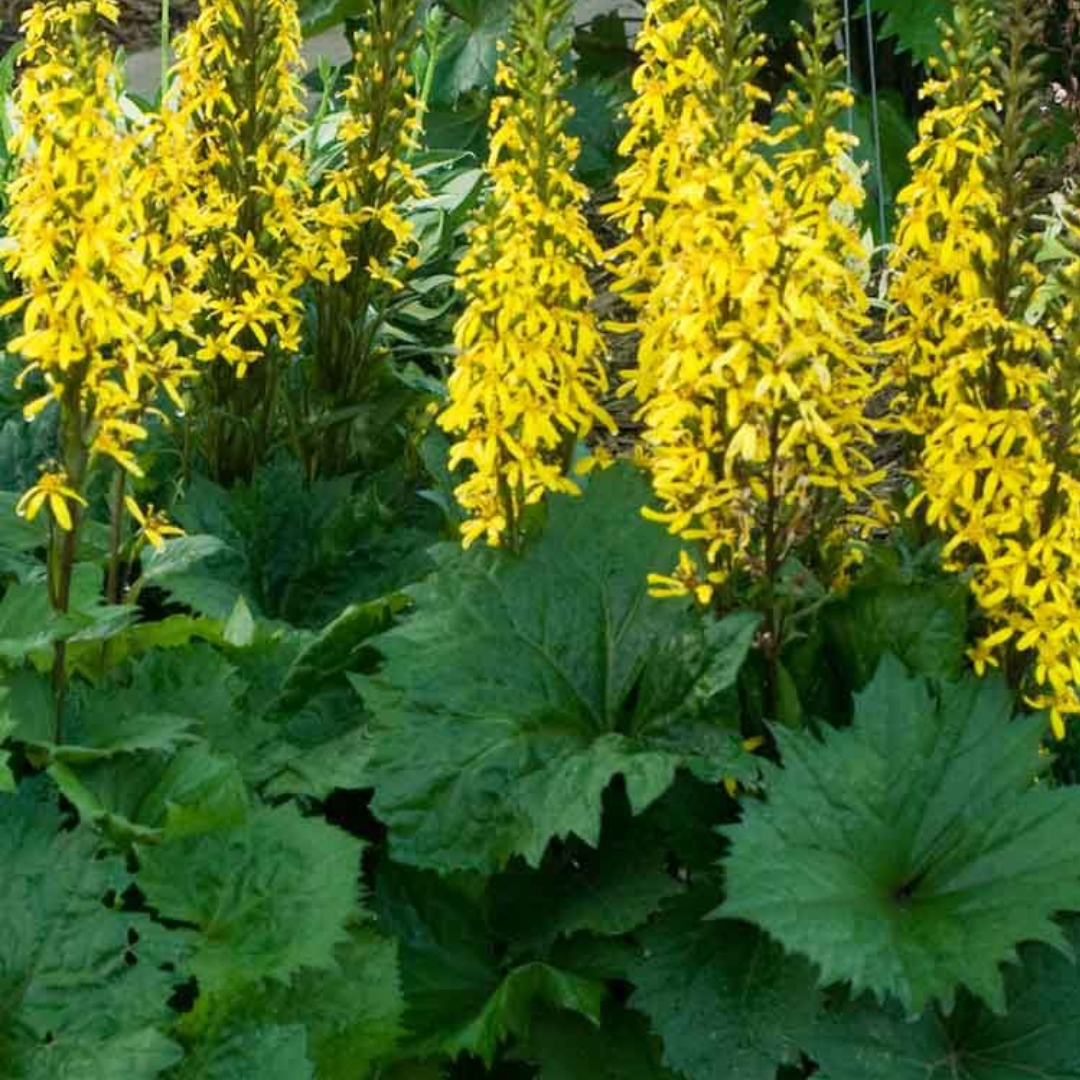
[(409, 671)]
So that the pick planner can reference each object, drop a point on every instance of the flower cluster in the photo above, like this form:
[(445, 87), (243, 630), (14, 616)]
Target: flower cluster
[(936, 288), (238, 73), (530, 367), (986, 396), (101, 228), (751, 376), (360, 202), (378, 136), (238, 68)]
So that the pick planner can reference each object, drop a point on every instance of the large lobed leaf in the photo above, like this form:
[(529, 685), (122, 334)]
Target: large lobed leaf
[(1037, 1038), (916, 25), (462, 996), (911, 853), (726, 1000), (524, 685), (565, 1046), (82, 984), (266, 899)]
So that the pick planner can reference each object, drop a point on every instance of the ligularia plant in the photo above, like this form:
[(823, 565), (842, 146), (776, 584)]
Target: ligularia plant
[(100, 225), (986, 396), (360, 205), (238, 70), (751, 376), (529, 374)]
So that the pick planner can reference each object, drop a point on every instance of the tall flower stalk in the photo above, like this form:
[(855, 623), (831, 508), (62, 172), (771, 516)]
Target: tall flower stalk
[(991, 394), (360, 205), (238, 70), (99, 220), (529, 374), (751, 376)]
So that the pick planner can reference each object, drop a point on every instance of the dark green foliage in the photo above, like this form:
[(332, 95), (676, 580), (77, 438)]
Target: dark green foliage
[(1036, 1039), (330, 800), (904, 607), (915, 24), (723, 998), (460, 997), (912, 853), (545, 677), (293, 550), (564, 1046), (265, 899), (83, 985)]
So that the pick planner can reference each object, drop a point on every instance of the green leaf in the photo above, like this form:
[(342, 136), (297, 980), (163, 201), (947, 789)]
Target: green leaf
[(318, 16), (266, 899), (294, 549), (896, 131), (597, 121), (81, 982), (138, 1055), (346, 1018), (1036, 1038), (155, 702), (459, 997), (338, 649), (510, 1009), (179, 555), (269, 1053), (544, 677), (353, 1011), (469, 55), (912, 853), (920, 617), (565, 1046), (611, 889), (725, 1000), (28, 623), (326, 746), (157, 797), (914, 24), (239, 629), (16, 533)]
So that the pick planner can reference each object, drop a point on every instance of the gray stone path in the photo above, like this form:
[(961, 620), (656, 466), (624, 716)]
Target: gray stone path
[(144, 68)]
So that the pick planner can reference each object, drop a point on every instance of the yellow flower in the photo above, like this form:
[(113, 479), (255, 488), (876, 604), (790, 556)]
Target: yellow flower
[(154, 525), (983, 396), (529, 371), (751, 375), (238, 76), (102, 235), (54, 492)]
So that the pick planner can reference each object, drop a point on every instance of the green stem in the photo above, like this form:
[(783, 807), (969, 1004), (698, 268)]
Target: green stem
[(116, 535), (772, 569)]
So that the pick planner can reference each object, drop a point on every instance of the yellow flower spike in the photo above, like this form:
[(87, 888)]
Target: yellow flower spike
[(239, 61), (92, 231), (529, 374), (368, 257), (984, 393), (752, 418), (54, 492)]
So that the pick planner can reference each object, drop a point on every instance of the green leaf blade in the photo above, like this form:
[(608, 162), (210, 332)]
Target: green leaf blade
[(544, 677), (911, 854)]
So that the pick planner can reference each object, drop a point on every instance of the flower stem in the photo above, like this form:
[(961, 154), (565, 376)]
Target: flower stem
[(116, 536)]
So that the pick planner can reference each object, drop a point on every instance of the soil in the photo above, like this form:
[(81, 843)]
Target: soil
[(139, 25)]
